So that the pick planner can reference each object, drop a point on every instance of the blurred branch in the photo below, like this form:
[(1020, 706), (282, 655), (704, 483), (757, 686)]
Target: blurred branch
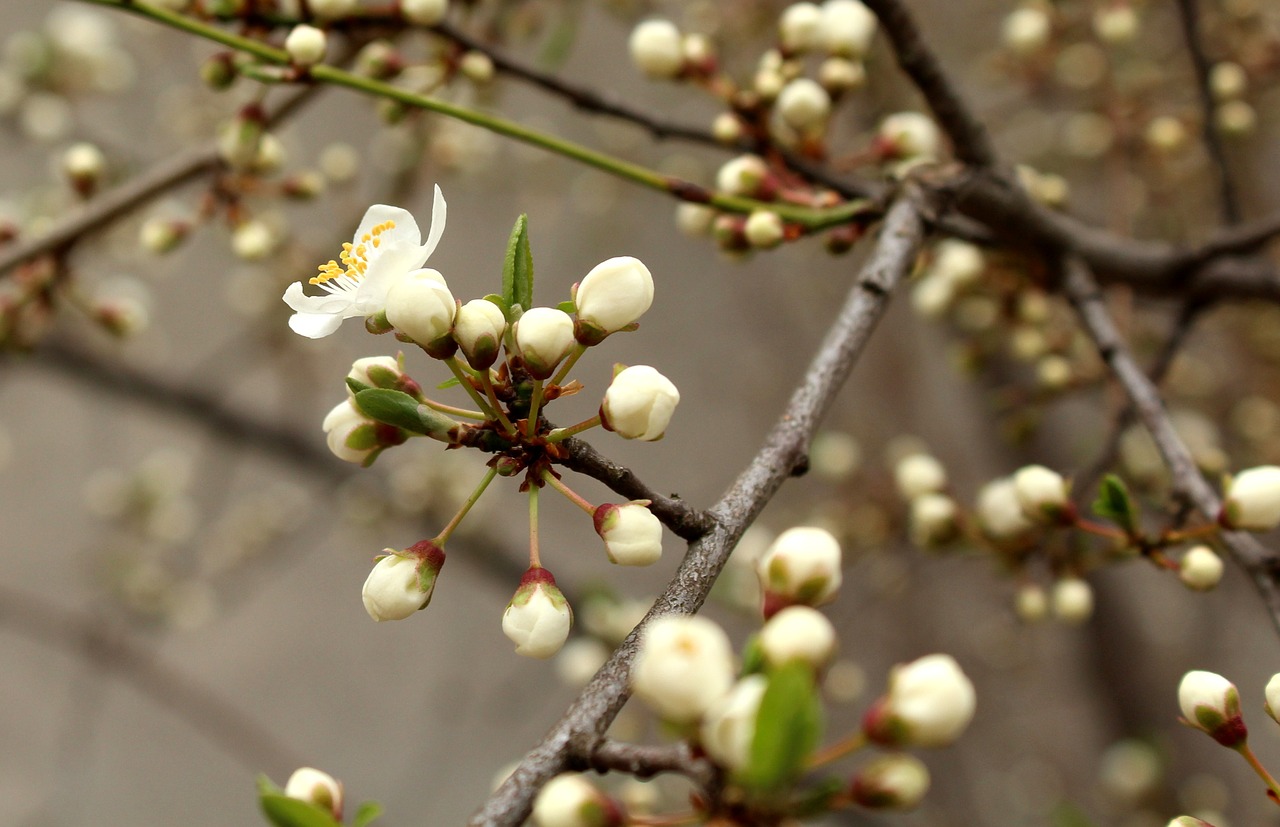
[(1189, 17), (580, 732), (645, 761), (1188, 483)]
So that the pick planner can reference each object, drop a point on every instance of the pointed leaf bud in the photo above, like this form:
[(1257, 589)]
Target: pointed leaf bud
[(730, 723), (306, 45), (684, 665), (1200, 569), (1043, 495), (613, 295), (657, 48), (544, 336), (420, 306), (798, 633), (632, 535), (1251, 500), (1211, 704), (891, 782), (570, 800), (478, 329), (929, 703), (538, 618), (316, 787), (801, 567), (402, 582), (639, 404)]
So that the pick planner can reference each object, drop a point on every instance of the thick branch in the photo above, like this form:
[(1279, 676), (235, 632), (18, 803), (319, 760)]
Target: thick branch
[(580, 732), (1189, 15), (1086, 295)]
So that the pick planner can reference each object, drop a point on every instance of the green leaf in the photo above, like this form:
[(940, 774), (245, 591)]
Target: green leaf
[(451, 382), (517, 267), (501, 303), (366, 814), (752, 656), (355, 386), (403, 411), (1115, 504), (568, 307), (788, 729), (816, 800), (283, 811)]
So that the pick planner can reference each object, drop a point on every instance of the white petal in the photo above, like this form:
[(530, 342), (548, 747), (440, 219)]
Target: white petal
[(405, 232), (334, 303), (314, 325), (438, 211)]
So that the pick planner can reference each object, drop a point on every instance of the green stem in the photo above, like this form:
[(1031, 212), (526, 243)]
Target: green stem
[(1247, 753), (449, 409), (1101, 529), (535, 562), (1193, 533), (572, 495), (466, 506), (465, 382), (578, 350), (811, 218), (560, 434), (535, 402), (487, 382)]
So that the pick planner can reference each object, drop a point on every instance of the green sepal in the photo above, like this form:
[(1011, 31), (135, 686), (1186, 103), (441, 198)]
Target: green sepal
[(1115, 504), (451, 382), (816, 800), (403, 411), (356, 387), (752, 657), (283, 811), (502, 304), (367, 813), (788, 729), (568, 307), (517, 267)]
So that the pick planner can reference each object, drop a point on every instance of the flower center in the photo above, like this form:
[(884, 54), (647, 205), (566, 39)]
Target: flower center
[(355, 259)]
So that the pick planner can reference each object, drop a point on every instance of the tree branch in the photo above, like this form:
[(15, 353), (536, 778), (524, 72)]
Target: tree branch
[(581, 731), (646, 761), (1189, 16)]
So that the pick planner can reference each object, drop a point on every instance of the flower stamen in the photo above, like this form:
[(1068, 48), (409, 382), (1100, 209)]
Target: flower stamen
[(355, 261)]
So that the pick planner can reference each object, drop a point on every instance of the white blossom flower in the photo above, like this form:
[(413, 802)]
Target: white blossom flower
[(639, 403), (538, 618), (684, 665), (613, 295), (891, 782), (316, 787), (1252, 499), (798, 633), (1211, 704), (632, 534), (402, 582), (929, 703), (730, 723), (387, 245)]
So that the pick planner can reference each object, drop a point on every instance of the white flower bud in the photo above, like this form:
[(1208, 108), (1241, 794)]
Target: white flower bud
[(909, 136), (800, 27), (83, 164), (544, 336), (253, 240), (919, 474), (847, 27), (1251, 500), (306, 45), (932, 296), (1211, 704), (1166, 134), (838, 75), (929, 703), (569, 800), (656, 48), (768, 83), (538, 618), (1235, 118), (579, 661), (798, 633), (1042, 493), (421, 307), (684, 665), (477, 67), (162, 235), (1026, 31), (478, 328), (632, 535), (1054, 371), (1200, 569), (639, 404), (727, 127), (933, 520), (424, 12), (332, 9), (698, 50), (350, 434), (804, 105), (1072, 600), (316, 787), (1228, 81), (801, 566), (730, 724), (764, 229), (1116, 25), (1188, 821), (1272, 698), (961, 262), (1000, 511), (377, 372), (891, 782), (742, 175), (694, 220), (613, 295), (401, 583), (1031, 604)]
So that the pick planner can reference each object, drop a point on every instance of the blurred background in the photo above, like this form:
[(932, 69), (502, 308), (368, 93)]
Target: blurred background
[(181, 558)]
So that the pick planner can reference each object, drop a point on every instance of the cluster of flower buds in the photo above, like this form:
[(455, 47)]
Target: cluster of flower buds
[(922, 481), (512, 360)]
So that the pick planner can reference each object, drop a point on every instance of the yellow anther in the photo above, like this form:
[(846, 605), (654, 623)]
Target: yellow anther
[(353, 257)]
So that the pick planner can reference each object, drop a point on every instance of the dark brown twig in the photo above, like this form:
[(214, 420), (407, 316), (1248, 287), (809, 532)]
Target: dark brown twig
[(1189, 16), (646, 761)]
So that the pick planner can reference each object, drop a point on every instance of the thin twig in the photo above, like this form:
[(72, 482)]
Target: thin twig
[(1189, 16), (581, 731), (646, 761)]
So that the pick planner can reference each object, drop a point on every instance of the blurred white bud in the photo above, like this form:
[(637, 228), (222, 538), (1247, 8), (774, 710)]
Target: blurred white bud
[(800, 27), (656, 48), (83, 164), (929, 703), (350, 434), (1054, 371), (1211, 704), (891, 782), (1228, 81), (316, 787), (683, 667), (743, 175), (909, 136), (727, 127), (424, 12), (694, 220), (1072, 600), (538, 618), (332, 9), (253, 240), (162, 235), (1043, 494), (932, 296), (918, 474), (1115, 24), (476, 67), (579, 661), (1235, 118), (1251, 499), (847, 28), (961, 262), (698, 50), (1000, 511), (1200, 569), (1026, 30), (730, 724), (570, 800), (639, 403), (1031, 604), (1166, 134), (764, 229), (934, 520), (838, 75), (798, 633), (804, 105), (306, 45)]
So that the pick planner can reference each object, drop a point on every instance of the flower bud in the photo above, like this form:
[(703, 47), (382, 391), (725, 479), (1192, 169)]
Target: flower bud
[(352, 436), (1211, 704), (162, 235), (847, 27), (683, 667), (1228, 81), (891, 782), (1026, 31), (798, 633), (544, 336), (1031, 604), (632, 535), (476, 67), (694, 220), (538, 618), (764, 229), (1188, 821), (929, 703), (420, 306), (1043, 495), (727, 128), (1166, 134), (424, 12), (1116, 24), (1072, 600), (252, 240), (478, 328), (238, 140), (306, 45), (800, 27), (919, 474), (316, 787), (1272, 695), (804, 105), (909, 136), (401, 583), (1000, 511), (83, 164), (934, 520), (802, 566), (730, 723), (612, 296), (656, 48), (639, 403), (380, 372), (839, 75), (1251, 500), (569, 800), (744, 175), (1235, 119), (959, 261), (1200, 569), (219, 71)]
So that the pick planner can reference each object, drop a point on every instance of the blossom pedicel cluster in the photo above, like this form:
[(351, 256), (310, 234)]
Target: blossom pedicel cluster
[(512, 359), (761, 723)]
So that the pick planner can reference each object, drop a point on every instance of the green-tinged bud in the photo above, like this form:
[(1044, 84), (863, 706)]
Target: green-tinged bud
[(219, 71), (478, 329), (316, 787), (1211, 704), (476, 67), (508, 466), (239, 139), (381, 372), (421, 308), (639, 403), (802, 566), (632, 534), (1251, 500), (354, 437), (303, 186), (929, 703), (544, 337), (402, 582), (1043, 495), (538, 618), (730, 724), (611, 297), (892, 782), (163, 235), (379, 60), (764, 229), (570, 800)]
